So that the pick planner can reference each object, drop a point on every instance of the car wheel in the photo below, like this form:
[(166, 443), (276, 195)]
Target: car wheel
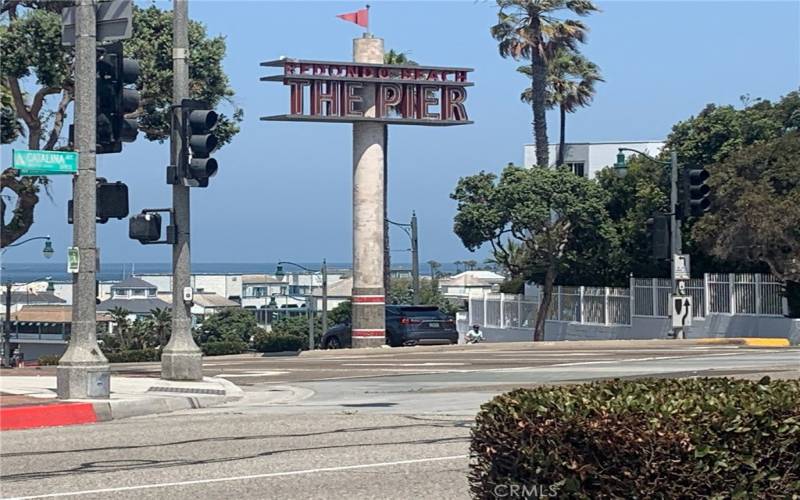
[(333, 343)]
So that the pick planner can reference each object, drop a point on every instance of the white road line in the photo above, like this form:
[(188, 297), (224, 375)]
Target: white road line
[(242, 478), (403, 364), (651, 358), (252, 374)]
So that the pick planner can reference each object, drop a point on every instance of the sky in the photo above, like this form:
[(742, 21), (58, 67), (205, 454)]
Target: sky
[(284, 190)]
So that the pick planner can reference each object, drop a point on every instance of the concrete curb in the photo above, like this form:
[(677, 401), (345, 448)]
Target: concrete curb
[(150, 403), (560, 344)]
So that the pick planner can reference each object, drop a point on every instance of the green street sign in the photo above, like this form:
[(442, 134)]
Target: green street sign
[(45, 162)]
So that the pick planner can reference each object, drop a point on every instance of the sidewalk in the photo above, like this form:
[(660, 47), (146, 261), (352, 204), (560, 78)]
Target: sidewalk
[(30, 401)]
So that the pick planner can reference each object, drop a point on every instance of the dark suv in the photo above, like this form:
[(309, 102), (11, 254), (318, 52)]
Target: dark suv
[(405, 325)]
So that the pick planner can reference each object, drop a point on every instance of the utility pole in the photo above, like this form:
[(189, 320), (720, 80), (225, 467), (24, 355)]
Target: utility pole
[(83, 370), (414, 257), (324, 295), (182, 359), (7, 329)]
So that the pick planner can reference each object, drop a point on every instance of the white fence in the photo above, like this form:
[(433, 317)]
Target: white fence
[(748, 294)]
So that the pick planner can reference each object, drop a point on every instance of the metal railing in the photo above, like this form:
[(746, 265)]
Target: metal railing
[(748, 294)]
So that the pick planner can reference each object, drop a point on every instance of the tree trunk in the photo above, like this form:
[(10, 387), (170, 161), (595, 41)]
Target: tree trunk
[(544, 305), (562, 141), (22, 215), (538, 90)]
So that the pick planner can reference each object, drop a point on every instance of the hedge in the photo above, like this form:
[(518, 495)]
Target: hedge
[(48, 359), (134, 356), (685, 438), (225, 347), (271, 342)]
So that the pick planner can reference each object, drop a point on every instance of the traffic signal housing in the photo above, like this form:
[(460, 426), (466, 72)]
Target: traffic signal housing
[(658, 227), (699, 192), (195, 165), (114, 99), (112, 202), (145, 227)]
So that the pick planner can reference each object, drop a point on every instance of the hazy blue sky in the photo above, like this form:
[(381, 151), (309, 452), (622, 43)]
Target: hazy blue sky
[(284, 190)]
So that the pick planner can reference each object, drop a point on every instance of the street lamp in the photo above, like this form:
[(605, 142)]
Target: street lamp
[(7, 322), (279, 273), (621, 169), (47, 251)]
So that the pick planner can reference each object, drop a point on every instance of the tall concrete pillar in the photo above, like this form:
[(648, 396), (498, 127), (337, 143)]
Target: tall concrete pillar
[(369, 139)]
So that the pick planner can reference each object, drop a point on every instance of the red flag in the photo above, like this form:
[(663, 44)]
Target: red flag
[(360, 17)]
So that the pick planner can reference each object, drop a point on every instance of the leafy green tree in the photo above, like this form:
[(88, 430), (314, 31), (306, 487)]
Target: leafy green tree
[(531, 30), (341, 313), (37, 76), (557, 216), (571, 80), (228, 325), (756, 215)]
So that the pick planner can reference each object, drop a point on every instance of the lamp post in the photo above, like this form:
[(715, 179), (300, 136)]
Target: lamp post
[(621, 168), (411, 231), (7, 322), (47, 251), (324, 272)]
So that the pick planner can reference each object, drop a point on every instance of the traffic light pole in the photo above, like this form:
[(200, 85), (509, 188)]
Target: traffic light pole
[(83, 371), (414, 257), (675, 237), (182, 359)]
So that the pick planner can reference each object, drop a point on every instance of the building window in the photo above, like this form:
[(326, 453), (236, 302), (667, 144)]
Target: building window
[(577, 168), (138, 293)]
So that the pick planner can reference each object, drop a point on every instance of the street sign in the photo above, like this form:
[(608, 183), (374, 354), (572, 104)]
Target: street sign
[(681, 266), (73, 260), (681, 311), (113, 22), (45, 162)]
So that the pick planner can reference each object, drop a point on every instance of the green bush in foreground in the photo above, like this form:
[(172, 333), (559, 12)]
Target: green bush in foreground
[(685, 438), (220, 348), (276, 342), (134, 356), (48, 360)]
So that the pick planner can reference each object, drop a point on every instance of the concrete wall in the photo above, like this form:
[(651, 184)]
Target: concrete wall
[(642, 328)]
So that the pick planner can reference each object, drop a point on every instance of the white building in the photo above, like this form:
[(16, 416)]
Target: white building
[(462, 285), (588, 158)]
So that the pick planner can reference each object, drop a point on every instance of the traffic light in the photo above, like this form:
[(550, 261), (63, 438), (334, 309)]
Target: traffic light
[(114, 100), (699, 192), (658, 227), (198, 142), (145, 227), (112, 202)]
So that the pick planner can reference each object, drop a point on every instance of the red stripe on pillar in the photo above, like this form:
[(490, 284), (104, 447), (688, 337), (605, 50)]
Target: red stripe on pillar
[(368, 333), (368, 299)]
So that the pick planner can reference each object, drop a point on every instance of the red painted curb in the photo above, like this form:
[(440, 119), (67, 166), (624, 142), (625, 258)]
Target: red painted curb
[(28, 417)]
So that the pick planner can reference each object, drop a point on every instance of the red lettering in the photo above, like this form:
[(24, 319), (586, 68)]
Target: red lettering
[(431, 75), (352, 71), (408, 108), (351, 99), (460, 76), (407, 74), (367, 72), (387, 96), (288, 68), (304, 68), (325, 98), (296, 96), (383, 72), (426, 99), (318, 69), (455, 104)]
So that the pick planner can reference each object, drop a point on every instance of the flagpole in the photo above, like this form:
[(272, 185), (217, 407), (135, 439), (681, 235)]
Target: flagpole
[(367, 27)]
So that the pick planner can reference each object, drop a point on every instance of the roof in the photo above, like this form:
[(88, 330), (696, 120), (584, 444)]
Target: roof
[(134, 306), (339, 288), (133, 282), (207, 300), (50, 314), (260, 279), (32, 298), (473, 278)]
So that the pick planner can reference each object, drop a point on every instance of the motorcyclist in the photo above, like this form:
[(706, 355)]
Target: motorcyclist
[(475, 335)]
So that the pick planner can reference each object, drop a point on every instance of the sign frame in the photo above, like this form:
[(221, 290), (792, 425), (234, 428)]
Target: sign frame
[(681, 310), (681, 266), (44, 162)]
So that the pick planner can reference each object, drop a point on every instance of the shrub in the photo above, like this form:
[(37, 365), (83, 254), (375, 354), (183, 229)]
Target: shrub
[(49, 359), (276, 342), (134, 356), (220, 348), (690, 438)]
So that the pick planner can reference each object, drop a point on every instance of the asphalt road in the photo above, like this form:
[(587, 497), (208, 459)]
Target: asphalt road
[(335, 425)]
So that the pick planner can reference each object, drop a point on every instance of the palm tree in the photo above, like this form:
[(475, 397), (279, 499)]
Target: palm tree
[(470, 264), (162, 324), (119, 316), (530, 30), (434, 268), (458, 266), (570, 85)]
